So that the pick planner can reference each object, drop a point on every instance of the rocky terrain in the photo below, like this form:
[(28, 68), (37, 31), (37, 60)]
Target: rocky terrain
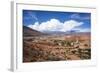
[(39, 47)]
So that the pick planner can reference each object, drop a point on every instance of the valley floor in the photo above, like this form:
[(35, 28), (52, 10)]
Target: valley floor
[(56, 48)]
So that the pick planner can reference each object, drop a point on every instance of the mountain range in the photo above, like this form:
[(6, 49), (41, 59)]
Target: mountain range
[(31, 32)]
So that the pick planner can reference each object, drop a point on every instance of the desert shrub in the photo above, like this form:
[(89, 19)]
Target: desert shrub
[(69, 43), (33, 60), (35, 53), (53, 58), (84, 53), (86, 45), (68, 58), (74, 51)]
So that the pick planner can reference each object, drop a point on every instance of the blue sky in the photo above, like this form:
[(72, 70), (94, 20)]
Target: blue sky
[(57, 21)]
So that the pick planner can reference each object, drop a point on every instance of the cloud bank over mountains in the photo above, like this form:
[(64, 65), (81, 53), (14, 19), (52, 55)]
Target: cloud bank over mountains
[(56, 25)]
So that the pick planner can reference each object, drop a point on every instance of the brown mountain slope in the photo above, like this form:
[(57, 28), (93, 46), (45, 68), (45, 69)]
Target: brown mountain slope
[(30, 32)]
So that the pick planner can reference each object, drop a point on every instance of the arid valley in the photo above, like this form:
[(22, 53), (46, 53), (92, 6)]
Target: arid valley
[(40, 47)]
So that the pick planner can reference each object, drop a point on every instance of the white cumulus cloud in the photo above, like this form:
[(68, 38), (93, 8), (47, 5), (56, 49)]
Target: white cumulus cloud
[(70, 25), (56, 25)]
